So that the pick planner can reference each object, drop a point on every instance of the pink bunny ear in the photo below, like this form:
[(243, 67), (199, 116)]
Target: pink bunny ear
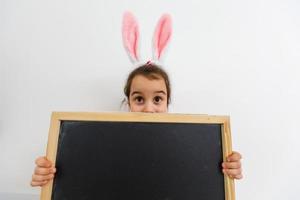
[(130, 33), (162, 36)]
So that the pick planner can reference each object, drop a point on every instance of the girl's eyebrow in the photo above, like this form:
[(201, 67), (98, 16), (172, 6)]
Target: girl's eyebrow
[(161, 91), (135, 92)]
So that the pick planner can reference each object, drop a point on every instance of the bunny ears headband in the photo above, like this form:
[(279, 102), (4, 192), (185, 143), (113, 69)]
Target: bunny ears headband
[(161, 37)]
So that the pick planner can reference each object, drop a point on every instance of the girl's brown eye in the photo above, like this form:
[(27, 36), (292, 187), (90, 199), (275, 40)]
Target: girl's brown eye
[(138, 99), (157, 99)]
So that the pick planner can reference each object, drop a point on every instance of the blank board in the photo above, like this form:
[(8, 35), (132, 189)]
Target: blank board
[(114, 156)]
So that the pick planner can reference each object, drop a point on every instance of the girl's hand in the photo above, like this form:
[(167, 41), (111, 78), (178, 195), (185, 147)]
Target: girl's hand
[(233, 166), (43, 172)]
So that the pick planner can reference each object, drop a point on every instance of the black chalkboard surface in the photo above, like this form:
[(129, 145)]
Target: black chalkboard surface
[(134, 156)]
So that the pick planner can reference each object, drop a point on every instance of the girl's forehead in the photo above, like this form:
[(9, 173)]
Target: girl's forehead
[(144, 84)]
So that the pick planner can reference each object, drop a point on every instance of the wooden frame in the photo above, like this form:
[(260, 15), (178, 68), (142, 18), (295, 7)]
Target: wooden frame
[(57, 117)]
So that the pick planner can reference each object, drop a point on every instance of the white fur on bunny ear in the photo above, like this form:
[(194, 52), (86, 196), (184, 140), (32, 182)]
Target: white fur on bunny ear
[(162, 36), (130, 33)]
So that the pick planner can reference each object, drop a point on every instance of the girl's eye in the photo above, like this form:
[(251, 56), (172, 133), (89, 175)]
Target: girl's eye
[(157, 99), (138, 99)]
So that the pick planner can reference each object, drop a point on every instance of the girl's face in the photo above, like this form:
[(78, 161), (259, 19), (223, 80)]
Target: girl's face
[(148, 95)]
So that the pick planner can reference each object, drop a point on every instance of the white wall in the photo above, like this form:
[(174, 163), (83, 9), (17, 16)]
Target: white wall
[(238, 58)]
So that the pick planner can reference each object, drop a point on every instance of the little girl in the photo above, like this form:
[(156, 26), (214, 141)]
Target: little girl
[(147, 90)]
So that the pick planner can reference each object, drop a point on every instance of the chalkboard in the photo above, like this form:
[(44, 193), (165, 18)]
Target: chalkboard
[(138, 156)]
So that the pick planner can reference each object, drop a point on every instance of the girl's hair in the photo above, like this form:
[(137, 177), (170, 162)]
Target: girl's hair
[(152, 72)]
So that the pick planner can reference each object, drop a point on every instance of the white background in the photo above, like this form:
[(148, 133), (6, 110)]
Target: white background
[(233, 57)]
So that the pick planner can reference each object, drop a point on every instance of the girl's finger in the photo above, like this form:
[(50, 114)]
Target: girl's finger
[(240, 176), (37, 178), (235, 156), (43, 162), (44, 171), (232, 165), (232, 172), (38, 183)]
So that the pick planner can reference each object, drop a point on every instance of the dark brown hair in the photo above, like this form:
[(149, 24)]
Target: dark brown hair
[(152, 72)]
